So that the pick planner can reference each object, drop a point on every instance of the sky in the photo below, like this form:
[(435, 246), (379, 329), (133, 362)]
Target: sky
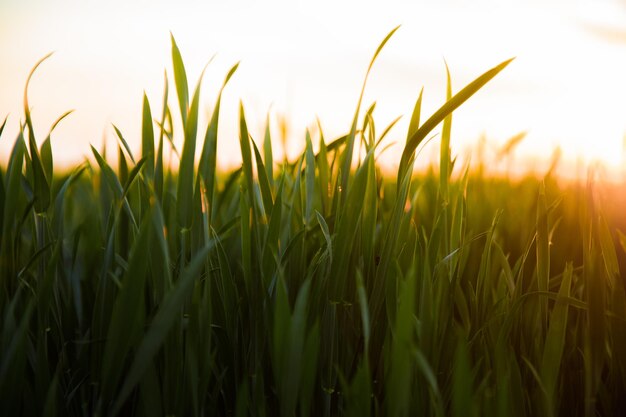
[(304, 60)]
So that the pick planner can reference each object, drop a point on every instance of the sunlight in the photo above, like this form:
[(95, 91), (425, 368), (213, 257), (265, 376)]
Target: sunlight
[(304, 61)]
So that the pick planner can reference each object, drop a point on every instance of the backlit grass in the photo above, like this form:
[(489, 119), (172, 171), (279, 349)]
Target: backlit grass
[(312, 287)]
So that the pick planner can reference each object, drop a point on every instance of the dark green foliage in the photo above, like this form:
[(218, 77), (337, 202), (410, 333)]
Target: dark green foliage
[(311, 287)]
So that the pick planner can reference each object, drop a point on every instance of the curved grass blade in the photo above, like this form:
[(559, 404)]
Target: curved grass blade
[(29, 121), (124, 143), (109, 176), (452, 104), (346, 157), (46, 149), (386, 131), (141, 165), (42, 185), (3, 125)]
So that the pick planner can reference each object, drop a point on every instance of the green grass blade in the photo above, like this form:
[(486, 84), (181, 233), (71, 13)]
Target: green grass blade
[(398, 386), (414, 124), (109, 176), (245, 211), (359, 393), (363, 307), (346, 229), (127, 314), (310, 356), (309, 176), (47, 161), (323, 170), (543, 249), (46, 149), (208, 158), (292, 373), (159, 169), (346, 157), (180, 78), (29, 122), (60, 199), (137, 169), (554, 344), (264, 184), (3, 125), (14, 175), (370, 214), (147, 138), (42, 186), (452, 104), (393, 230), (124, 143), (326, 233), (444, 157), (267, 152), (165, 317), (246, 156), (184, 196), (463, 404), (607, 248)]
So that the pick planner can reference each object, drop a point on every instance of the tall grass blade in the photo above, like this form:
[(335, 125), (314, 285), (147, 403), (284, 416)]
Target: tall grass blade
[(208, 158), (180, 78), (444, 155), (267, 151), (346, 157), (184, 194), (451, 105), (147, 138)]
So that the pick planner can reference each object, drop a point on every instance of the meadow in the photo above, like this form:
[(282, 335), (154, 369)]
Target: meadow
[(308, 287)]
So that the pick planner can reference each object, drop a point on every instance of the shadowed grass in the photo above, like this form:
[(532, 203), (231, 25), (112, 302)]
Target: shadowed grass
[(307, 287)]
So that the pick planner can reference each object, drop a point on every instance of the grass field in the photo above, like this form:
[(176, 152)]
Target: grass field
[(312, 287)]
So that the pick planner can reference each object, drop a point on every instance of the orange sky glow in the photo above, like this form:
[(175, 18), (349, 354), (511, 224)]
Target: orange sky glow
[(306, 60)]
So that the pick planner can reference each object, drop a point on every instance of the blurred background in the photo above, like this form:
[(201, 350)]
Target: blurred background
[(306, 60)]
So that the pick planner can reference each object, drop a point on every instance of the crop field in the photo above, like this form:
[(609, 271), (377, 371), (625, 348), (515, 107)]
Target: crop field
[(319, 286)]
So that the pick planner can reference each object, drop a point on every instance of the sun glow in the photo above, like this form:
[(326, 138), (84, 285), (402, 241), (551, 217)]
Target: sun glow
[(305, 61)]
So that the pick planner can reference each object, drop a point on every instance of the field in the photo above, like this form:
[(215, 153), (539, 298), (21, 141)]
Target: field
[(311, 287)]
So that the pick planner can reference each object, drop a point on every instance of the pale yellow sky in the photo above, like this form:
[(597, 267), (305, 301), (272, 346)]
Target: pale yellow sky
[(308, 59)]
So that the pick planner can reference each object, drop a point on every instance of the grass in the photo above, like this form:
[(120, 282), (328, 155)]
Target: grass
[(304, 288)]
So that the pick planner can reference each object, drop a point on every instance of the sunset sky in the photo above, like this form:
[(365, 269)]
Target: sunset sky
[(302, 60)]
